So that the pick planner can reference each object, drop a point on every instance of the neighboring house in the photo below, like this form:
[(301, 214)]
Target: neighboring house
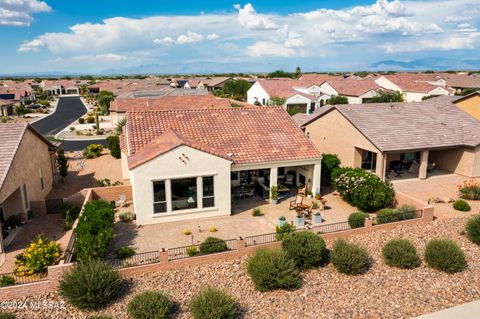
[(458, 82), (182, 164), (27, 170), (381, 136), (215, 83), (413, 86), (194, 84), (6, 107), (356, 91), (120, 106), (60, 87), (470, 104), (15, 95)]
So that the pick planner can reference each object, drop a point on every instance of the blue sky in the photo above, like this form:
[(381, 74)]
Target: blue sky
[(107, 35)]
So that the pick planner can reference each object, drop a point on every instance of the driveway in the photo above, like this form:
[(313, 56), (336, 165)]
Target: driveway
[(68, 110)]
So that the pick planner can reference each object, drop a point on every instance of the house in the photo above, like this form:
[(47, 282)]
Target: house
[(182, 164), (194, 84), (6, 107), (459, 82), (470, 104), (413, 86), (25, 180), (356, 91), (15, 95), (120, 106), (386, 137), (216, 83), (60, 87)]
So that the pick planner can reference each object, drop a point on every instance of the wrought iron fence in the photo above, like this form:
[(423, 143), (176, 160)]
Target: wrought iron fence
[(260, 239), (331, 228), (397, 217), (21, 277), (68, 255), (202, 249), (151, 257)]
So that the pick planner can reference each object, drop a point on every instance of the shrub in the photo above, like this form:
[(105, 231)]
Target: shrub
[(213, 245), (212, 303), (362, 189), (388, 215), (400, 253), (124, 252), (349, 258), (283, 230), (113, 144), (126, 217), (69, 214), (94, 230), (305, 248), (90, 119), (461, 205), (93, 150), (212, 229), (330, 162), (445, 255), (40, 254), (192, 251), (187, 232), (473, 229), (81, 120), (150, 305), (6, 315), (357, 220), (470, 190), (257, 212), (407, 211), (6, 281), (90, 285), (273, 269)]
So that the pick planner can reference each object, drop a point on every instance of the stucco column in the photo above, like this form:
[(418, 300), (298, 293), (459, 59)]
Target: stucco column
[(422, 172), (200, 192), (273, 176), (380, 170), (316, 178), (168, 194)]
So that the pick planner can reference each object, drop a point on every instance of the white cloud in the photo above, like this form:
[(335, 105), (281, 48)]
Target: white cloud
[(450, 43), (248, 17), (19, 12), (454, 19), (164, 41), (189, 37), (272, 49), (212, 36), (33, 45)]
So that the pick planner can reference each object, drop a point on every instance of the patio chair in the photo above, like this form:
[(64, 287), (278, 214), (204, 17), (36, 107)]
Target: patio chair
[(249, 193), (121, 201), (294, 204), (302, 191)]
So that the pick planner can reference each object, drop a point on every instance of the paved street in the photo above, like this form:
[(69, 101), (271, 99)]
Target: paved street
[(75, 145)]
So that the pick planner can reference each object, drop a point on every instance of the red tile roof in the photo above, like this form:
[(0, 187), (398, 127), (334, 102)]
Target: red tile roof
[(244, 135), (319, 78), (461, 80), (412, 82), (168, 103), (283, 88), (353, 87)]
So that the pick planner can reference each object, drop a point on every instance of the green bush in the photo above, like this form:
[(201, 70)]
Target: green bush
[(357, 220), (305, 248), (113, 145), (93, 150), (470, 190), (330, 162), (349, 258), (69, 214), (124, 252), (273, 269), (90, 119), (90, 285), (213, 245), (6, 281), (388, 215), (212, 303), (5, 315), (126, 217), (461, 205), (40, 253), (94, 230), (283, 230), (150, 305), (81, 120), (473, 229), (407, 211), (445, 255), (400, 253), (257, 212), (363, 189)]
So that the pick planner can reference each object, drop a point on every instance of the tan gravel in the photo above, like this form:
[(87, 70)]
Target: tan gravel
[(383, 292)]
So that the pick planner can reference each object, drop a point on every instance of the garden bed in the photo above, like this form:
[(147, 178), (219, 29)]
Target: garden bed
[(382, 291)]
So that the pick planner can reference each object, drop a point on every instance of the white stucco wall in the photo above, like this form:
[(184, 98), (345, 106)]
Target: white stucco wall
[(298, 99), (328, 89), (387, 84), (169, 166), (257, 93)]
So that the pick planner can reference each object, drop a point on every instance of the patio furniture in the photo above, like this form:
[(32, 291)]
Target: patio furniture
[(261, 189), (283, 189), (121, 201), (289, 180), (431, 167), (294, 204), (317, 218), (249, 193), (302, 191)]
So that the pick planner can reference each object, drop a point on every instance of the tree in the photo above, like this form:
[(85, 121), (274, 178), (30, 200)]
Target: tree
[(277, 101), (104, 98), (337, 99), (386, 97), (298, 72), (236, 89), (468, 91), (62, 163), (113, 144), (280, 74), (329, 163), (120, 125)]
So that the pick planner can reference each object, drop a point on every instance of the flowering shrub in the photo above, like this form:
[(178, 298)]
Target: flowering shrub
[(362, 189), (470, 190), (40, 254), (93, 150)]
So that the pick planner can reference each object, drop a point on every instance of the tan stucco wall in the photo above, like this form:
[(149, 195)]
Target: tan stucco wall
[(464, 161), (471, 106), (31, 157), (168, 166), (333, 134)]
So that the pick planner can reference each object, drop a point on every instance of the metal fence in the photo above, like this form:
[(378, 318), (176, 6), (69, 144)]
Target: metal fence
[(68, 255), (331, 228), (21, 277), (202, 249), (396, 217), (151, 257), (260, 239)]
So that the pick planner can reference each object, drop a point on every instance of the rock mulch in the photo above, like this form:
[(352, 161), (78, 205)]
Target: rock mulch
[(382, 292)]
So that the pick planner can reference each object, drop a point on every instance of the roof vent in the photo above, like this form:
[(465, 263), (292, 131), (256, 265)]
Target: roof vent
[(229, 154)]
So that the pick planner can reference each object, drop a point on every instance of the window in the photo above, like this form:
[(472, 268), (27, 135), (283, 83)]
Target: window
[(369, 160), (42, 184), (208, 199), (26, 203), (159, 197), (184, 193)]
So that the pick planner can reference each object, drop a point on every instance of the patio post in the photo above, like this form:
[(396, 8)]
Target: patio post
[(317, 171), (273, 176), (422, 172)]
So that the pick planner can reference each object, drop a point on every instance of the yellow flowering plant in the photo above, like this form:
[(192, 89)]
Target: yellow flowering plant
[(40, 254)]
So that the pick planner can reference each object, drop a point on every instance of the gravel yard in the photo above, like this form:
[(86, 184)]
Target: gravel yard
[(383, 292)]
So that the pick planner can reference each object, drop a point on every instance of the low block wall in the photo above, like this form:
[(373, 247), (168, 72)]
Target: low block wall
[(112, 193)]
